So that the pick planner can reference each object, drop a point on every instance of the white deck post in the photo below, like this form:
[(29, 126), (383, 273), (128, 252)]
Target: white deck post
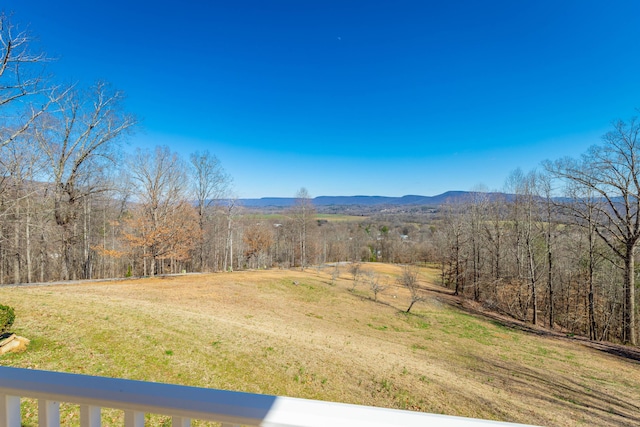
[(9, 411), (180, 422), (133, 419), (89, 416), (48, 413)]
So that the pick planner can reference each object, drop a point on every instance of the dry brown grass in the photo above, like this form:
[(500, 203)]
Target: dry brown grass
[(258, 331)]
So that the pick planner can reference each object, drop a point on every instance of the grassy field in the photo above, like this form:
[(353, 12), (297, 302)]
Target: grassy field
[(259, 331), (320, 216)]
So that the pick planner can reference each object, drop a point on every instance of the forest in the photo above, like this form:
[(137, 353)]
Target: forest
[(556, 249)]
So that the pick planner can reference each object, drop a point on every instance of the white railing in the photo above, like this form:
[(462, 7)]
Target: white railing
[(136, 398)]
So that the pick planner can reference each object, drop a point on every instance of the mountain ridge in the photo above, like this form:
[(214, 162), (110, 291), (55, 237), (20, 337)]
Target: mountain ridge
[(361, 200)]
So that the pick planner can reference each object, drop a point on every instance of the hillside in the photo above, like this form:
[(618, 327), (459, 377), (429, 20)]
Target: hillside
[(302, 334)]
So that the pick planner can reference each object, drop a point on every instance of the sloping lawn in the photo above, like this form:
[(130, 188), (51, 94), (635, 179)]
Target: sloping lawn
[(301, 334)]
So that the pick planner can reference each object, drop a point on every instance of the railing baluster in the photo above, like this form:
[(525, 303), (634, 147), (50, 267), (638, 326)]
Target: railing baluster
[(180, 422), (133, 419), (9, 411), (89, 416), (48, 413)]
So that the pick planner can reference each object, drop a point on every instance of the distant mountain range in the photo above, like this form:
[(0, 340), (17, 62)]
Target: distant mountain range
[(324, 201)]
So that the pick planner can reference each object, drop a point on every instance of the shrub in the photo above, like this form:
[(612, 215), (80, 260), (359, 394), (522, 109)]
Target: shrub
[(7, 316)]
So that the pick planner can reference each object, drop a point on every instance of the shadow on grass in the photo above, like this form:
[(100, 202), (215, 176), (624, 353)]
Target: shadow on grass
[(596, 403), (504, 320), (618, 350)]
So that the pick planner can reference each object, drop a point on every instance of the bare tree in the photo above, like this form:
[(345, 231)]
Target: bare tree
[(612, 171), (230, 213), (23, 100), (79, 139), (409, 279), (375, 283), (210, 184), (455, 237), (335, 273), (494, 231), (476, 207), (549, 227), (20, 164), (524, 217), (303, 214), (584, 211), (162, 225), (257, 239), (21, 82), (355, 268)]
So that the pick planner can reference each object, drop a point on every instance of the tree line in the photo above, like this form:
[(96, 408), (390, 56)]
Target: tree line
[(557, 248)]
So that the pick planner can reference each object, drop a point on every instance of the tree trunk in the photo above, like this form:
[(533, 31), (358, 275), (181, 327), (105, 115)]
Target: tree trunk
[(230, 247), (550, 284), (497, 261), (629, 317), (2, 267), (592, 318), (201, 225), (27, 237), (16, 245), (86, 249), (144, 261), (410, 305), (532, 275), (457, 249), (476, 274), (43, 257)]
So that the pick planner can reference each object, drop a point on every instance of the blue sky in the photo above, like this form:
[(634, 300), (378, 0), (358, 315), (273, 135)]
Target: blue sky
[(355, 97)]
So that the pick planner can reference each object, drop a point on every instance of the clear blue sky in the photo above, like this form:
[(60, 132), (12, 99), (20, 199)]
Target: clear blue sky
[(355, 97)]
